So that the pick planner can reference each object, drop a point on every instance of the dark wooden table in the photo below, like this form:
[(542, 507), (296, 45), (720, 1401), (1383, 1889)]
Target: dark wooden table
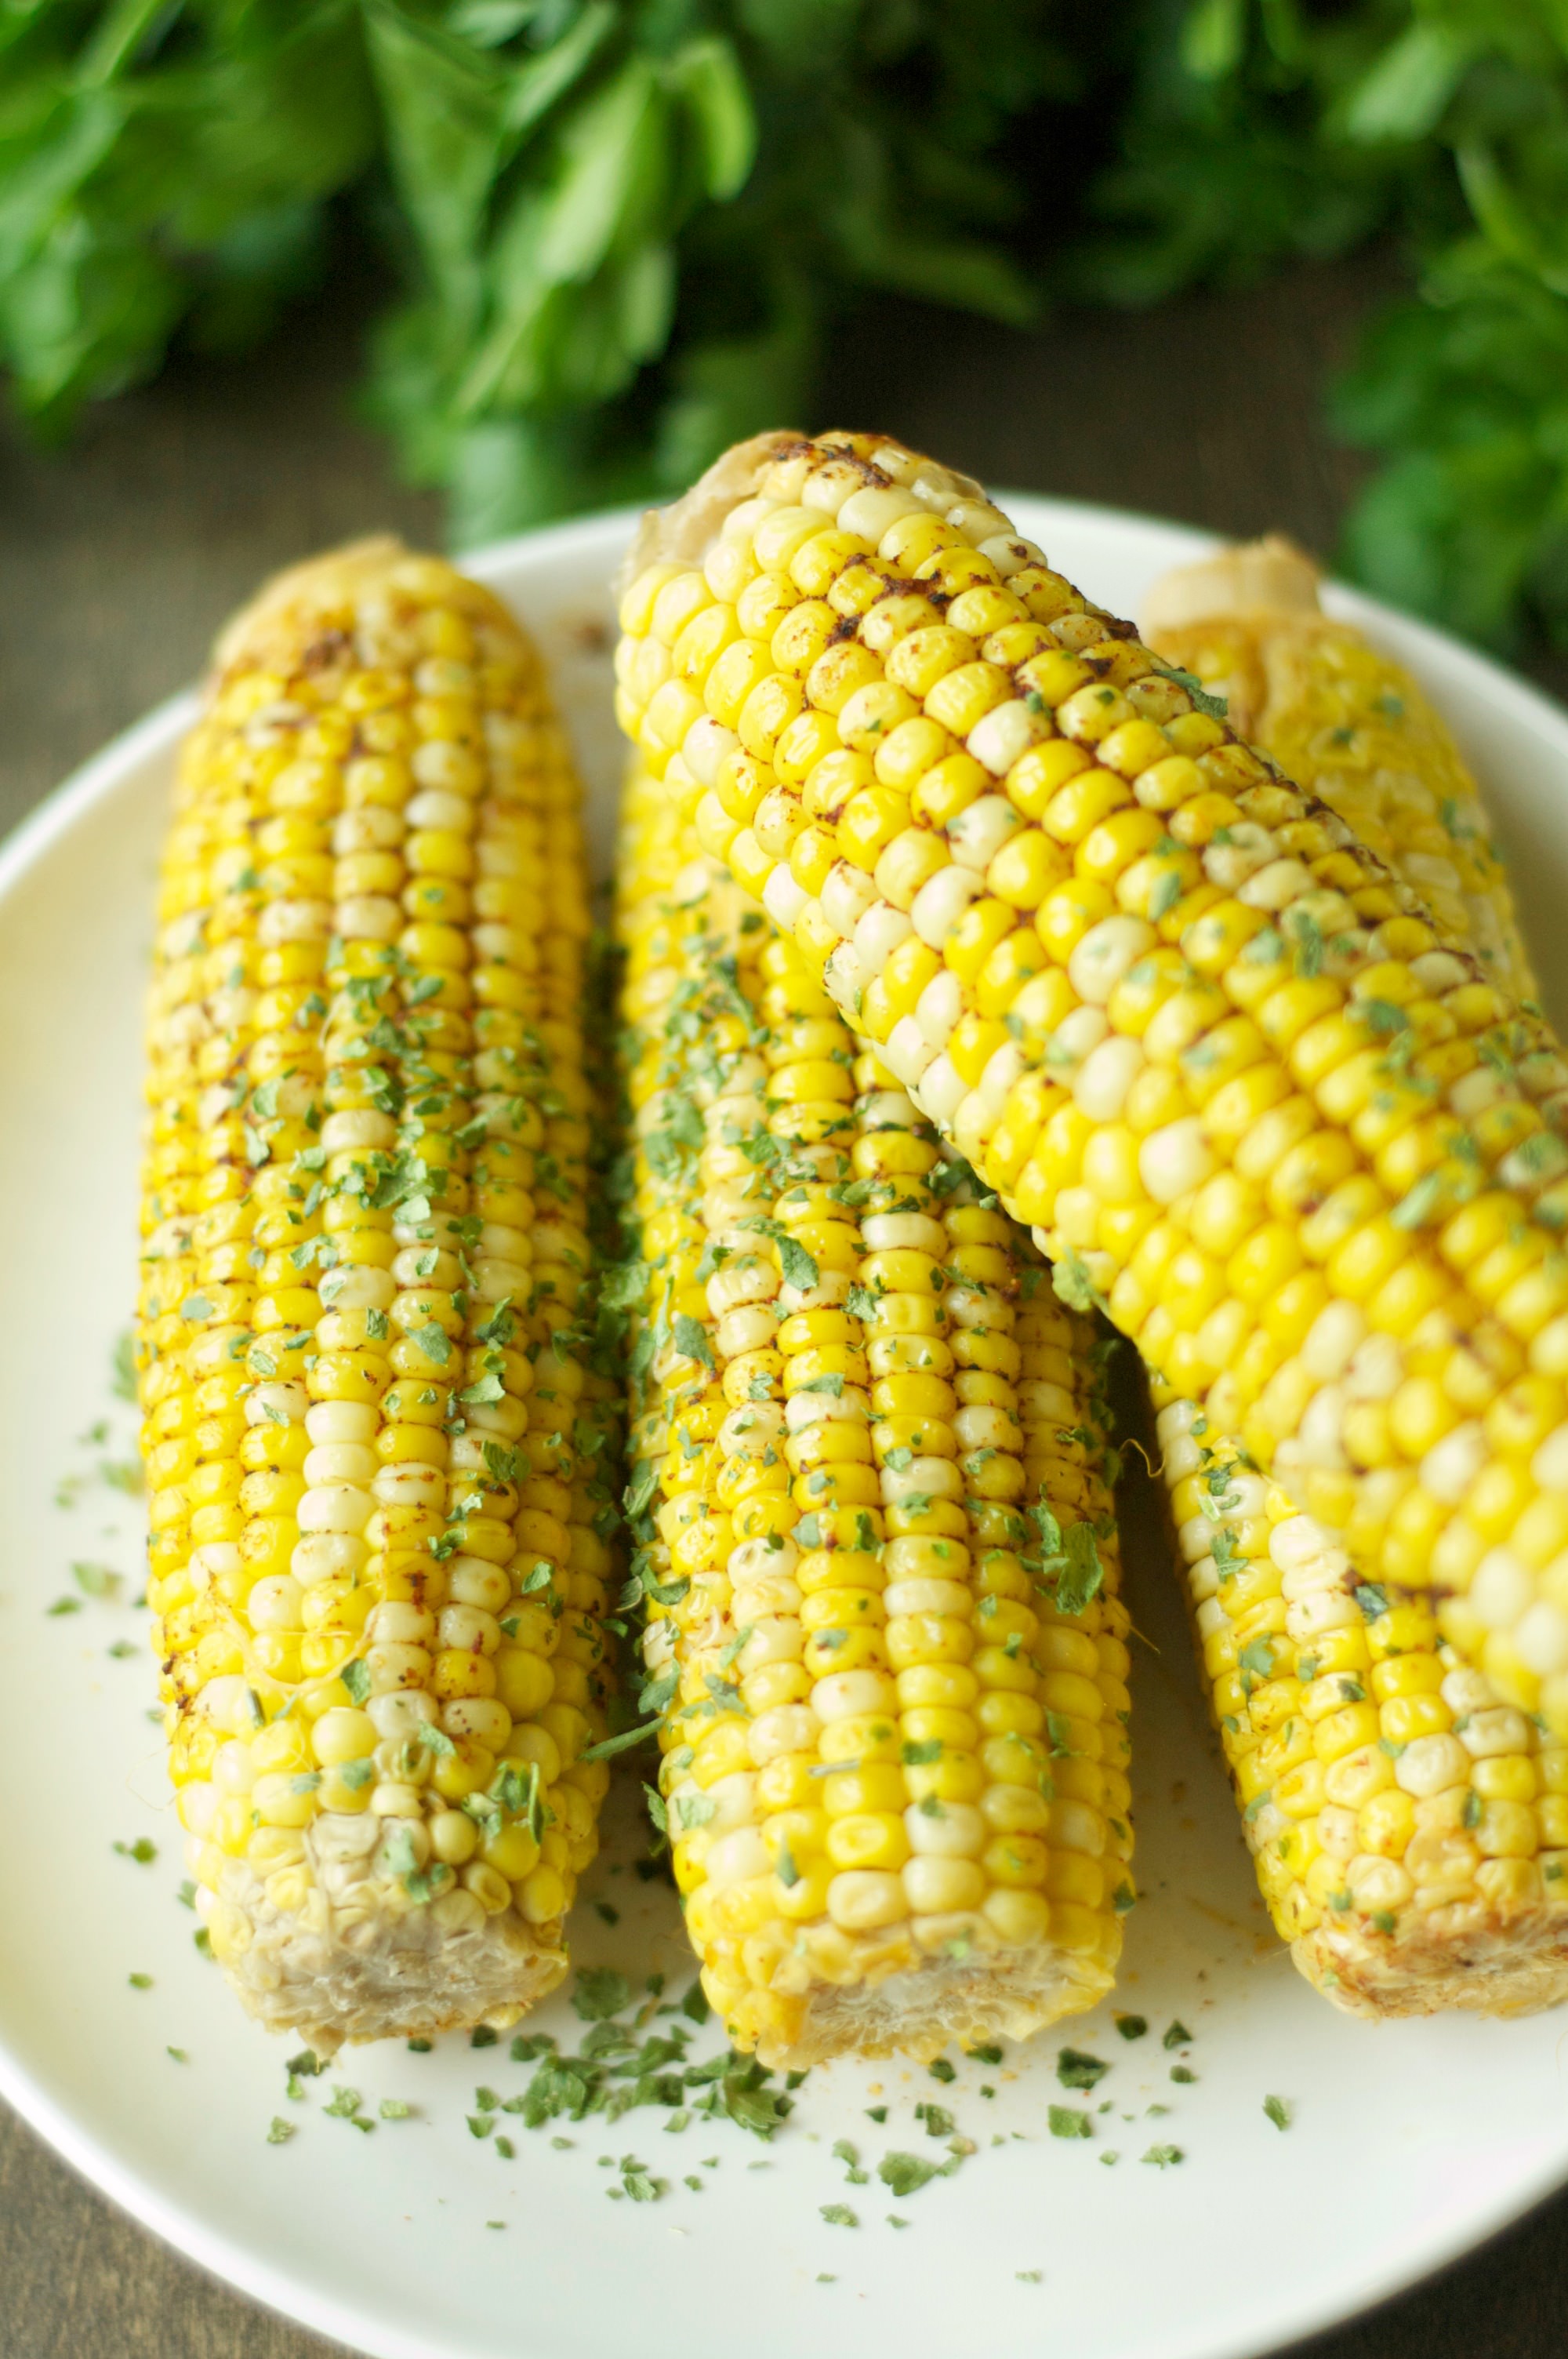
[(119, 556)]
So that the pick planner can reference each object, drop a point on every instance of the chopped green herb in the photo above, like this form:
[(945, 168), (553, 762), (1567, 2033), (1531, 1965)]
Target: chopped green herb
[(600, 1993), (906, 2174), (1076, 2069)]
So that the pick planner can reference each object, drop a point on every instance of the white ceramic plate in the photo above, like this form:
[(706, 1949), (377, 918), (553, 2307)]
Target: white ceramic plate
[(1407, 2144)]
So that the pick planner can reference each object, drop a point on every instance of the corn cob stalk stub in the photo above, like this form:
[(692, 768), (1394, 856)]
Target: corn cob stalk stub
[(1345, 720), (1206, 1044), (893, 1760), (377, 1560), (1408, 1826)]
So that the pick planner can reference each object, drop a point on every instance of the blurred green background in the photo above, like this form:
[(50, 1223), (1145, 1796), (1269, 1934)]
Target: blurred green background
[(606, 237)]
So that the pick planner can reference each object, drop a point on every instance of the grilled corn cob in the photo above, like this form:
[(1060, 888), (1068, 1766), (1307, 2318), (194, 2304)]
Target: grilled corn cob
[(1411, 1829), (1207, 1045), (1349, 723), (1408, 1827), (374, 1564), (892, 1696)]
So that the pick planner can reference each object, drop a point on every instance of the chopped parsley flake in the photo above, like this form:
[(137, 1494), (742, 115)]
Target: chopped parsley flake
[(906, 2174), (1076, 2069), (600, 1993)]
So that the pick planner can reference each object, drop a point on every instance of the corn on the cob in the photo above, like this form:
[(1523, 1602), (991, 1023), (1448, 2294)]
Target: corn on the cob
[(1343, 719), (374, 1564), (893, 1729), (1189, 1029), (1408, 1828)]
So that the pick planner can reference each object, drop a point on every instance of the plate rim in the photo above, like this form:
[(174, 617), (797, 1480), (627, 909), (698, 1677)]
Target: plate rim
[(157, 733)]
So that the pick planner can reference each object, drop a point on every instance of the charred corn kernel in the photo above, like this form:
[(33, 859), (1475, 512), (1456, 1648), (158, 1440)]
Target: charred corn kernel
[(839, 1566), (368, 1122), (1343, 1053)]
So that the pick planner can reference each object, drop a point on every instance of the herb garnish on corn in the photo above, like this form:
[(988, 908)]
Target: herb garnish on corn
[(1409, 1827), (371, 1439), (1193, 1034), (1345, 720), (880, 1565)]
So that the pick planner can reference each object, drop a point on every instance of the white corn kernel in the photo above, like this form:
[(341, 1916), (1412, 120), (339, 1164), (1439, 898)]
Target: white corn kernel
[(1009, 554), (1108, 1073), (1105, 955), (861, 1898), (339, 1462), (1501, 1589), (1451, 1464), (977, 519), (341, 1422), (1174, 1160), (1430, 1764), (1540, 1639), (1333, 1340), (847, 894), (784, 897), (878, 933), (979, 831), (940, 1008), (1549, 1463), (942, 1089), (942, 901), (335, 1508), (1276, 885), (705, 747), (274, 1603), (907, 1053), (870, 513)]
